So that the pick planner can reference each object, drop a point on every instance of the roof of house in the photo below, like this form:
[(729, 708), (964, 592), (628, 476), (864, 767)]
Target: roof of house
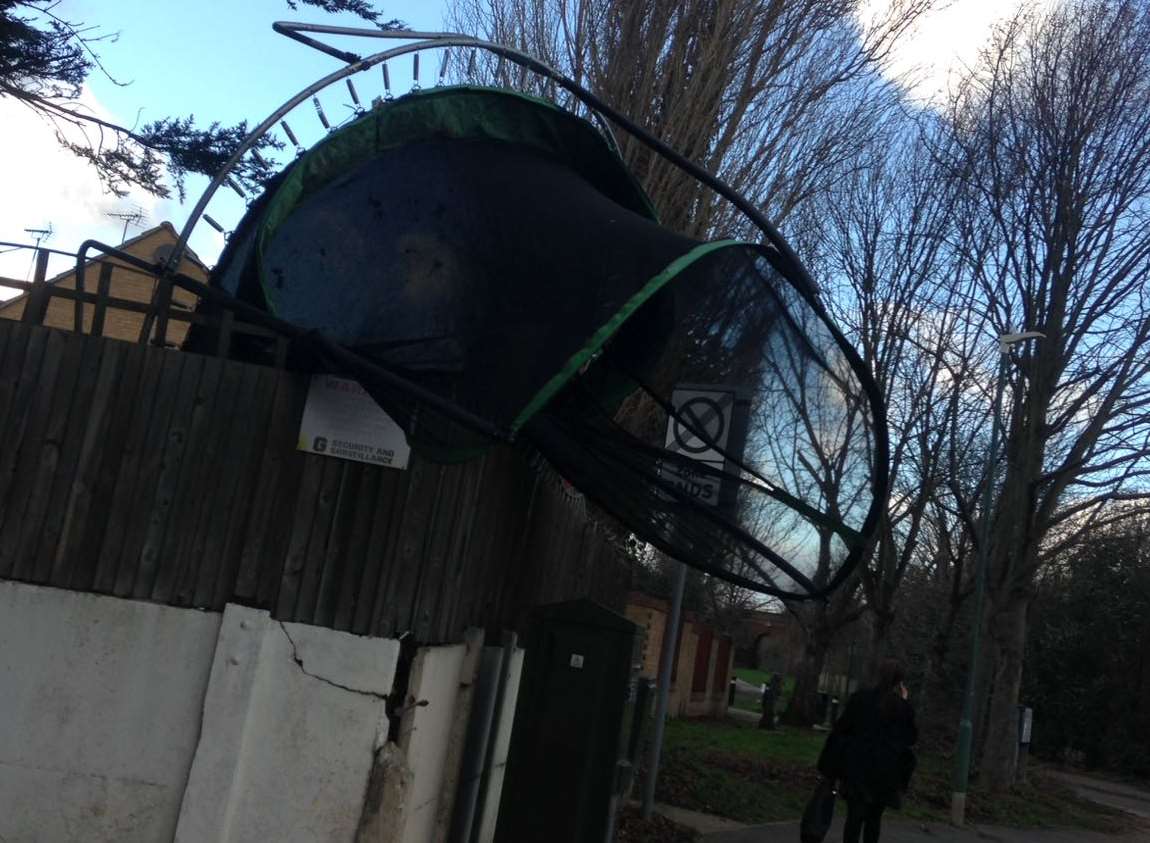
[(165, 227)]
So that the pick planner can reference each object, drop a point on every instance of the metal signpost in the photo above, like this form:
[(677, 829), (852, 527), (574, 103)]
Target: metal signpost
[(702, 431)]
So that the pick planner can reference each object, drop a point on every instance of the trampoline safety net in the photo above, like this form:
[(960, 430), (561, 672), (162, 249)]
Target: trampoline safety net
[(493, 250)]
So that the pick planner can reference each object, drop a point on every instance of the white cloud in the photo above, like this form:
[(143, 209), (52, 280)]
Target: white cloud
[(42, 184), (947, 40)]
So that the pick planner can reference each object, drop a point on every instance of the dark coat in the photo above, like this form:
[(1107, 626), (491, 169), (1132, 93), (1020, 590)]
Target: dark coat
[(869, 750)]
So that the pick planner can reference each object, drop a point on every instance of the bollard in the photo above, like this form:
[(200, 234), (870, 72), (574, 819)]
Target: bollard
[(767, 720), (1025, 721), (731, 692)]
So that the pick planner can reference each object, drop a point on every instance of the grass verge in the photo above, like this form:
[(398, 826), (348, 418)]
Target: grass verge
[(757, 776)]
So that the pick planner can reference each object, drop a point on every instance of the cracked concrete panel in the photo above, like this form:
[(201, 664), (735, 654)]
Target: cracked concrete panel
[(100, 705), (291, 724), (352, 662), (501, 748), (426, 733)]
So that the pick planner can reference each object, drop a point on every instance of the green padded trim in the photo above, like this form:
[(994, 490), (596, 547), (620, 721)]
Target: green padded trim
[(606, 331)]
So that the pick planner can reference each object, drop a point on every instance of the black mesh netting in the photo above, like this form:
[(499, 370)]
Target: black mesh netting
[(750, 452), (498, 257)]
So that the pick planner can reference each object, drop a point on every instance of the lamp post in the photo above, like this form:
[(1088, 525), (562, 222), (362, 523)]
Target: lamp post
[(982, 559), (666, 665)]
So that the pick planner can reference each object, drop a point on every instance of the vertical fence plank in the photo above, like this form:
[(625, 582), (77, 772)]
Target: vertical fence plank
[(273, 497), (70, 566), (380, 556), (142, 465), (460, 560), (359, 536), (234, 456), (170, 448), (339, 562), (216, 476), (395, 612), (187, 473), (23, 462), (324, 544), (242, 440), (97, 569), (23, 349), (306, 503), (449, 511), (84, 416)]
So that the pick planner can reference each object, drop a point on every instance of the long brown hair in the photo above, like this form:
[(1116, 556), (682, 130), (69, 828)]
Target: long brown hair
[(891, 675)]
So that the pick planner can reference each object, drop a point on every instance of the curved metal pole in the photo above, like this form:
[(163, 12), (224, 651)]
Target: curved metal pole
[(263, 128), (436, 40)]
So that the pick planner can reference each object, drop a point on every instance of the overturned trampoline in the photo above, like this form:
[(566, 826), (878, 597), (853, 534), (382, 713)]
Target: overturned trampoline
[(485, 265)]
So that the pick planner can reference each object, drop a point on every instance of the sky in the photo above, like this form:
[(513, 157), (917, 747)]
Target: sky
[(220, 60)]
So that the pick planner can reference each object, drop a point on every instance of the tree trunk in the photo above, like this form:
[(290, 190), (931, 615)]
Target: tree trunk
[(882, 621), (801, 708), (1007, 633), (935, 683)]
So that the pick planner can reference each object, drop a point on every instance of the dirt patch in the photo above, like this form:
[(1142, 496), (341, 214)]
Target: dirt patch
[(634, 829)]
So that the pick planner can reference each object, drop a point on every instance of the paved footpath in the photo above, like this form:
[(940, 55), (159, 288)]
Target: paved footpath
[(1124, 797), (904, 832), (1114, 794)]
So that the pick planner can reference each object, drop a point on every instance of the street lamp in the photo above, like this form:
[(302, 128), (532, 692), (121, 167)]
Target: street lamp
[(982, 558)]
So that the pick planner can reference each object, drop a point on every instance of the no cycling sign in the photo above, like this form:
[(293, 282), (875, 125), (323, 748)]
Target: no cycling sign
[(700, 430)]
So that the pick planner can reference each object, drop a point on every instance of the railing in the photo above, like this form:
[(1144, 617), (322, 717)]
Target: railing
[(233, 317), (158, 313)]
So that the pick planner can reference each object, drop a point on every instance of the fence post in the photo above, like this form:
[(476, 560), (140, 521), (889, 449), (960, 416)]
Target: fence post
[(36, 307), (103, 286)]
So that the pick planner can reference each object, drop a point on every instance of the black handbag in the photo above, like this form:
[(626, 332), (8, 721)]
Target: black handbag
[(832, 761), (819, 813)]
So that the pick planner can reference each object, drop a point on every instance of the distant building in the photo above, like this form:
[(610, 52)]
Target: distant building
[(774, 642), (125, 282), (702, 667)]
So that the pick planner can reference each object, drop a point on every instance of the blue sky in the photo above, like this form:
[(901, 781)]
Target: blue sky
[(215, 59), (220, 60)]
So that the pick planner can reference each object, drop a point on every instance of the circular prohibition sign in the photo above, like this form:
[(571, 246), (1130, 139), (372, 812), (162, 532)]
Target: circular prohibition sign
[(704, 415)]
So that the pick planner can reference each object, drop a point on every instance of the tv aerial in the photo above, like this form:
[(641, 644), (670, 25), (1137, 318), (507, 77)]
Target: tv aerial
[(133, 217), (40, 234)]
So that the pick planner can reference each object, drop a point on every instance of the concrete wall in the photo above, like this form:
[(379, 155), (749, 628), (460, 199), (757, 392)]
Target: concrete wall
[(438, 676), (128, 721), (100, 703), (292, 718)]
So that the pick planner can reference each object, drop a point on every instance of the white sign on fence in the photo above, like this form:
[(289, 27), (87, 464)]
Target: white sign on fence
[(341, 420)]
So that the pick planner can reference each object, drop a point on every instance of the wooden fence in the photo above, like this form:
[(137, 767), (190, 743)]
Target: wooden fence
[(161, 475)]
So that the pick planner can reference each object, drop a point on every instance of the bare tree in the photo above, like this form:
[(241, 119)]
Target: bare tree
[(1051, 136), (774, 96), (886, 237), (780, 99)]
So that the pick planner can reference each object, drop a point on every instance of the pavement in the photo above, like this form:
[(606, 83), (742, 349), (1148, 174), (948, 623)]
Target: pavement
[(905, 832), (1125, 797)]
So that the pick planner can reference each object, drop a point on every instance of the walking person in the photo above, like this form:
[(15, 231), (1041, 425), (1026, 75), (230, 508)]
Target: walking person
[(869, 752)]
